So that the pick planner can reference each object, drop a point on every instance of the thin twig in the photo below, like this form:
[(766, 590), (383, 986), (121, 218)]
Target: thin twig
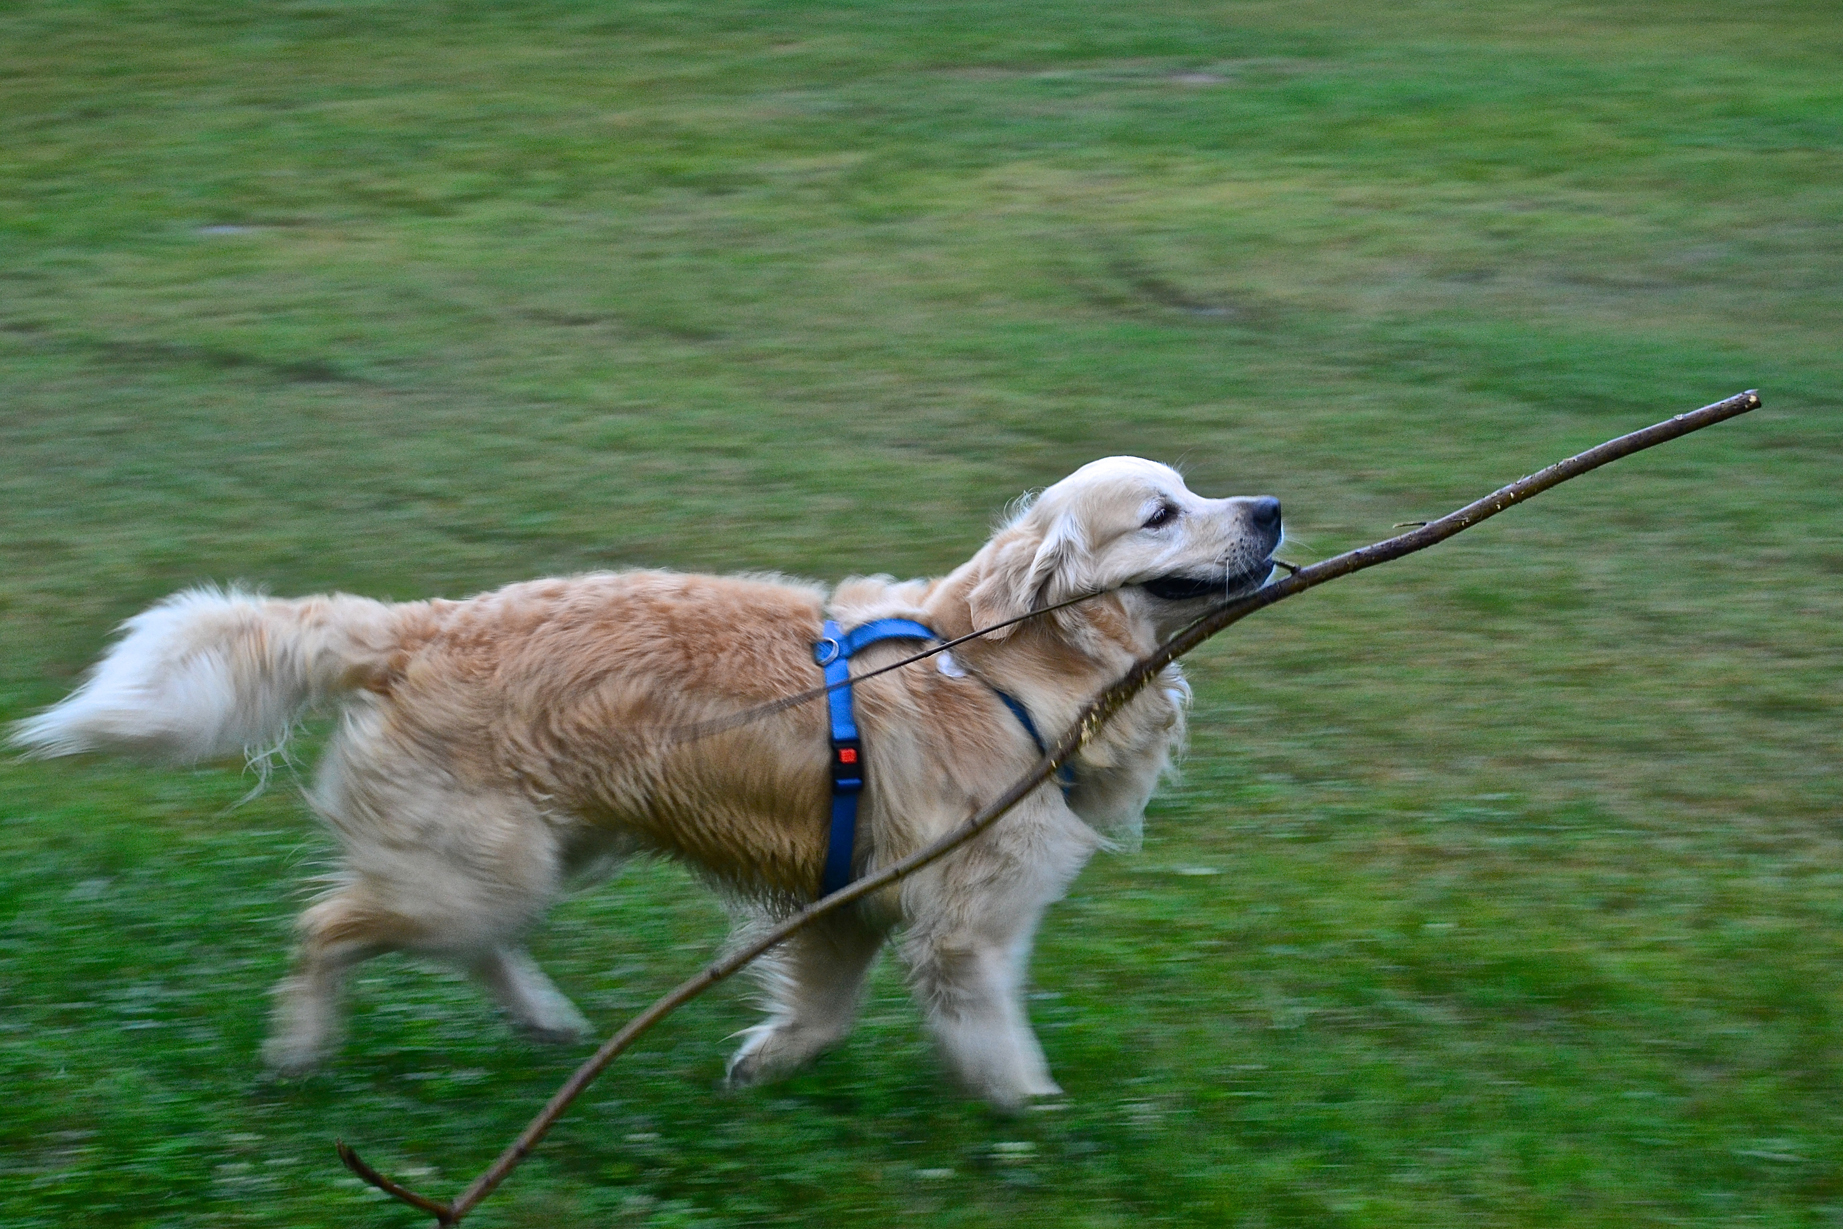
[(1092, 718)]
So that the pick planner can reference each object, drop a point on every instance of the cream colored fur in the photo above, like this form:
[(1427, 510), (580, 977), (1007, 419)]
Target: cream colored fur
[(491, 749)]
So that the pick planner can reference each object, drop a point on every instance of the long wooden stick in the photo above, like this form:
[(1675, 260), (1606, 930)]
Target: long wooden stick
[(1092, 718)]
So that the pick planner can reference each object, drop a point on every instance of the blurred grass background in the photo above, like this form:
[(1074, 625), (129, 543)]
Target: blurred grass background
[(1502, 885)]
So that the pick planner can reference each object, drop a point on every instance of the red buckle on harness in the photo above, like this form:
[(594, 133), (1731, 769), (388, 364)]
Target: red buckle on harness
[(847, 771)]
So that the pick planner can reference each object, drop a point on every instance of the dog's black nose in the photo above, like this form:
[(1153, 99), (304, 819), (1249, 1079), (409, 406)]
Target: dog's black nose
[(1264, 515)]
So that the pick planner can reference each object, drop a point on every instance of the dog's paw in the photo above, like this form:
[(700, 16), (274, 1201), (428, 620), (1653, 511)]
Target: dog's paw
[(291, 1056), (770, 1051), (748, 1066), (1009, 1094), (546, 1016), (1036, 1103), (559, 1033)]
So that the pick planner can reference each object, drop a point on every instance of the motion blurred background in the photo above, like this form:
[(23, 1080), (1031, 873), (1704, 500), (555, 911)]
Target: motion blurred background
[(1501, 886)]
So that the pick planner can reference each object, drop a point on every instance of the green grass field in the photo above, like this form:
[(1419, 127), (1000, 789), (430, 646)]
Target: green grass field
[(1503, 886)]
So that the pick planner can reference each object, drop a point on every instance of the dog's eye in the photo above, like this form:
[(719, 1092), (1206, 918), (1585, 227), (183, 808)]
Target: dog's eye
[(1164, 516)]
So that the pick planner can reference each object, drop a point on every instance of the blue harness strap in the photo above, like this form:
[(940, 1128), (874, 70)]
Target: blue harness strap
[(834, 651), (1065, 772)]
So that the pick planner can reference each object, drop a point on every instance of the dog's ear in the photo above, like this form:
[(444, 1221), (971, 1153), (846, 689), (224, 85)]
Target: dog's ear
[(1028, 570), (994, 596), (1059, 568)]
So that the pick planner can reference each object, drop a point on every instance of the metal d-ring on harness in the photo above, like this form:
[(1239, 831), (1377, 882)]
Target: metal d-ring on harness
[(834, 651)]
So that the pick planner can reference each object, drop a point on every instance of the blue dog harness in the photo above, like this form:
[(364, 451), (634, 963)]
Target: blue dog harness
[(834, 651)]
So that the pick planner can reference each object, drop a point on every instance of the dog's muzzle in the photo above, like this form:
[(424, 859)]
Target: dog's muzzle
[(1264, 525)]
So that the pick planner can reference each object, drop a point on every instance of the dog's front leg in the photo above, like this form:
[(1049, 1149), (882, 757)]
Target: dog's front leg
[(812, 985), (968, 947), (972, 990)]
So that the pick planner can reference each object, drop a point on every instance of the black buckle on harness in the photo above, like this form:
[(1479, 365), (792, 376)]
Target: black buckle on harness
[(847, 766)]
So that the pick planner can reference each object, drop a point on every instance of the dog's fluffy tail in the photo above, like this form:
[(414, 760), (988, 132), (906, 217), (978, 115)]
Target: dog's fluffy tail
[(211, 672)]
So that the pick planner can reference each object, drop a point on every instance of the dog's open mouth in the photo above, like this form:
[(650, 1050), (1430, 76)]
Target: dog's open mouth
[(1177, 588)]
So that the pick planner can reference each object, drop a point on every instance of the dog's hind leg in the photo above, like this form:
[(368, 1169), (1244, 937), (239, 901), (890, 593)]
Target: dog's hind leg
[(429, 869), (813, 983), (370, 917), (355, 925), (336, 934), (538, 1009)]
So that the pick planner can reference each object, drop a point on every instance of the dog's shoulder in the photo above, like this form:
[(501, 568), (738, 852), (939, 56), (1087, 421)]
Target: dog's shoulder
[(860, 599)]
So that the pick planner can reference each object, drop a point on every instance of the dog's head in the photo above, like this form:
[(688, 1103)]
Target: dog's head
[(1127, 526)]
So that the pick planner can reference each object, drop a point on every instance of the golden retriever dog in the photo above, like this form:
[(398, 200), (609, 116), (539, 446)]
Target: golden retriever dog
[(491, 751)]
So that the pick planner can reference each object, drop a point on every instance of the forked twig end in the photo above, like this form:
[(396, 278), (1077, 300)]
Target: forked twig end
[(444, 1214)]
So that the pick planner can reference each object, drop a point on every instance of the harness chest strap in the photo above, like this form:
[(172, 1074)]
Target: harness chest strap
[(833, 651)]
